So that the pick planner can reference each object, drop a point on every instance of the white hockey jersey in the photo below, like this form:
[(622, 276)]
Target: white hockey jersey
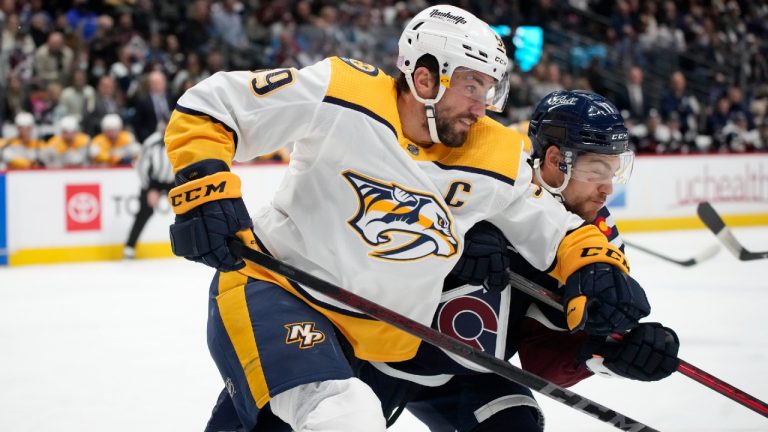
[(362, 206)]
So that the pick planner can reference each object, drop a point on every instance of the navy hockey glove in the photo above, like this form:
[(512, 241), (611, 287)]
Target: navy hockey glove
[(647, 353), (601, 299), (209, 211), (485, 259)]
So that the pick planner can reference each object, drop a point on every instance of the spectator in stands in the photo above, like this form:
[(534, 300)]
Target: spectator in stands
[(192, 72), (632, 97), (175, 59), (156, 176), (103, 47), (53, 60), (105, 102), (16, 49), (52, 111), (651, 136), (70, 148), (78, 98), (196, 32), (717, 120), (686, 105), (762, 134), (115, 146), (16, 98), (675, 140), (227, 19), (126, 69), (739, 104), (24, 150), (549, 83), (737, 135), (153, 107)]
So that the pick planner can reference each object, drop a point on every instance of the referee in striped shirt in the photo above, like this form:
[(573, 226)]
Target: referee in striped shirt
[(156, 174)]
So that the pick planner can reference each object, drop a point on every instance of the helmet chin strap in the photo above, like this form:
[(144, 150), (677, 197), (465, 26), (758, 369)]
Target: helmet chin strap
[(432, 122), (555, 191), (429, 106)]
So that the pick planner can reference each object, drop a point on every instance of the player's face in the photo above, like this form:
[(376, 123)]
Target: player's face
[(590, 185), (461, 106)]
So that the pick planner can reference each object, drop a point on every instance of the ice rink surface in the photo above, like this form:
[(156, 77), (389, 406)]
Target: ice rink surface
[(120, 346)]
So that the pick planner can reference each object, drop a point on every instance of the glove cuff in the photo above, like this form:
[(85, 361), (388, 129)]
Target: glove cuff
[(221, 185), (583, 246)]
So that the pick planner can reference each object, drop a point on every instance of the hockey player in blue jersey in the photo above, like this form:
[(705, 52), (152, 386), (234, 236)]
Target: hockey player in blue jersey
[(579, 144)]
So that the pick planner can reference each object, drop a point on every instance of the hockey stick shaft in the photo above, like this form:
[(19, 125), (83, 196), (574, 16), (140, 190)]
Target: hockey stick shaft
[(723, 388), (440, 340), (715, 223), (705, 255), (551, 299)]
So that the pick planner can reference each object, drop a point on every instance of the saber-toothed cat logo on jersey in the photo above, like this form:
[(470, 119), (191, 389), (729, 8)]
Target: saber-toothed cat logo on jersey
[(403, 224)]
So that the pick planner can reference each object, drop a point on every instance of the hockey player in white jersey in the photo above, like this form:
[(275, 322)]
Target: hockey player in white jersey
[(385, 178), (580, 150)]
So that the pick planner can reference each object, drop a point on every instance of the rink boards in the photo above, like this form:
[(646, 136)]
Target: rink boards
[(69, 215)]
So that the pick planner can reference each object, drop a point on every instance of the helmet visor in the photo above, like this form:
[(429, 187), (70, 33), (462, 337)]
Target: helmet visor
[(603, 168), (481, 87)]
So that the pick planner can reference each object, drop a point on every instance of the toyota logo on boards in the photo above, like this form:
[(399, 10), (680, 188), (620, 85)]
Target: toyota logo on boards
[(83, 207)]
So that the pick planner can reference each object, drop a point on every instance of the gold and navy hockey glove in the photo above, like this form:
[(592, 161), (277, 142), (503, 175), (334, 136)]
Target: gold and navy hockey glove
[(598, 294), (209, 211)]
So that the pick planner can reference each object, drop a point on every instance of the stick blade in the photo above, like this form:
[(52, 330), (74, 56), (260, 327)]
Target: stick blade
[(709, 216)]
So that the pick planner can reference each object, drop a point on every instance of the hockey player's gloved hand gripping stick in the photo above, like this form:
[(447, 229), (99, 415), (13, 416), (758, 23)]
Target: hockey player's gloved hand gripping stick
[(551, 299), (602, 299), (485, 259), (209, 210), (440, 340), (647, 353)]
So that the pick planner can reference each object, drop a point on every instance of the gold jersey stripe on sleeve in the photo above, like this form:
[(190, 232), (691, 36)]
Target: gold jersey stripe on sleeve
[(192, 136)]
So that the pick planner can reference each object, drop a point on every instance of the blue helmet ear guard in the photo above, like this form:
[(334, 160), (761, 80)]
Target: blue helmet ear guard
[(578, 120)]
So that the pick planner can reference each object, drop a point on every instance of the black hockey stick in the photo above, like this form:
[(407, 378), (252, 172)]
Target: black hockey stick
[(704, 255), (715, 223), (440, 340), (551, 299)]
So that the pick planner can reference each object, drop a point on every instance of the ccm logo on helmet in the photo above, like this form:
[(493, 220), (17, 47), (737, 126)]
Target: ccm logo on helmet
[(619, 136), (197, 193), (447, 16)]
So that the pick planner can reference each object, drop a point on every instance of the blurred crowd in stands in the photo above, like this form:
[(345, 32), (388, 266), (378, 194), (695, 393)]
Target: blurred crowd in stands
[(84, 82)]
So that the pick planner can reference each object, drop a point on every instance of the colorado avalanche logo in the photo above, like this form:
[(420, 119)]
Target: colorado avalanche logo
[(405, 225)]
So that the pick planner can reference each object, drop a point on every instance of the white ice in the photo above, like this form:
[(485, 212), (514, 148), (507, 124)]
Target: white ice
[(120, 346)]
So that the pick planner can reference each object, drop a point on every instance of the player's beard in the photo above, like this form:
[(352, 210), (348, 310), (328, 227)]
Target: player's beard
[(446, 130), (584, 206)]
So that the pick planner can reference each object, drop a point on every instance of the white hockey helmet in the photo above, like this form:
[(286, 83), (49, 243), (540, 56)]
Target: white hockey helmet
[(69, 124), (111, 122), (456, 38), (24, 119)]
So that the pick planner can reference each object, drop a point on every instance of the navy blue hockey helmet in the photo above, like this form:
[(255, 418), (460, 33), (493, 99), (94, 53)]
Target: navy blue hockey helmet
[(580, 122)]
